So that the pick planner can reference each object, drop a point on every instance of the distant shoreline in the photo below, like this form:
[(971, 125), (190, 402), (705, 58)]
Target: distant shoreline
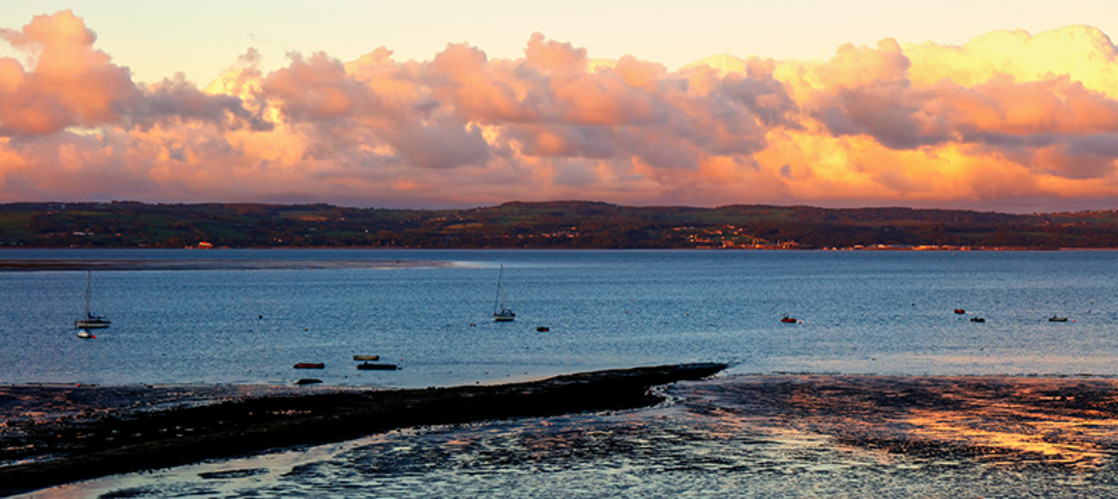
[(540, 225), (211, 264), (134, 264)]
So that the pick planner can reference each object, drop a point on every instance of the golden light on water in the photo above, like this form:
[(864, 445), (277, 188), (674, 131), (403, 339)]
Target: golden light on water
[(1052, 441), (1001, 421)]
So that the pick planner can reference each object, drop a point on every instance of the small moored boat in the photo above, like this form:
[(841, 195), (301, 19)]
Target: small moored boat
[(90, 321), (371, 366), (1054, 318), (500, 313), (788, 320), (366, 357), (960, 311), (977, 319), (85, 334), (310, 365)]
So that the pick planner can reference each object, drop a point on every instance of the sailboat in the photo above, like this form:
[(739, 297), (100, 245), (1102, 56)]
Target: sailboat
[(500, 313), (90, 321)]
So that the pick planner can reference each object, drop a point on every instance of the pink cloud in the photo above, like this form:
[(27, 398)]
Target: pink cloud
[(316, 89), (890, 124), (70, 83)]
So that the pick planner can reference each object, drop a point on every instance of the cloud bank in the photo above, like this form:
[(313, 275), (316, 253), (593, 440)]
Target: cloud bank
[(1008, 121)]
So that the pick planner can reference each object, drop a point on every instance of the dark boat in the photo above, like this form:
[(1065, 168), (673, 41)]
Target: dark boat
[(500, 313), (308, 381), (1057, 319), (543, 329), (977, 319), (90, 321), (370, 366), (310, 365)]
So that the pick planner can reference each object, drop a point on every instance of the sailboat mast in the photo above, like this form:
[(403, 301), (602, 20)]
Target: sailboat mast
[(88, 285), (497, 300)]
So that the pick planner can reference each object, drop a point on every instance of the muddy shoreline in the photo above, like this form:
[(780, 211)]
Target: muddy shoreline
[(132, 429)]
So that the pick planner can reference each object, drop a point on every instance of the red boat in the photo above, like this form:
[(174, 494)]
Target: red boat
[(788, 320), (310, 365), (960, 311)]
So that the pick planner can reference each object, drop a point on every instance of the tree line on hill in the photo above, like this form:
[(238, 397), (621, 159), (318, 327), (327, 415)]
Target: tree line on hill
[(560, 224)]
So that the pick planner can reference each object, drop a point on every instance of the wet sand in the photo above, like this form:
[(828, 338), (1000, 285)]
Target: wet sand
[(1069, 422), (1059, 430), (60, 434)]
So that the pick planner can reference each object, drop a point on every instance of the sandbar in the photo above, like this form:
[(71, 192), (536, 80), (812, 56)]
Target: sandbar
[(61, 434)]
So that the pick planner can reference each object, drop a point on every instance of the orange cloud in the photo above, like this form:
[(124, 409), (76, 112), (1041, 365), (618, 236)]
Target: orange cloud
[(69, 84), (1083, 53), (1007, 119)]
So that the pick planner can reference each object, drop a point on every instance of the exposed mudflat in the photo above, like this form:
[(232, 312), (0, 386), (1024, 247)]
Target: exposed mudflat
[(55, 434), (724, 436), (1067, 422)]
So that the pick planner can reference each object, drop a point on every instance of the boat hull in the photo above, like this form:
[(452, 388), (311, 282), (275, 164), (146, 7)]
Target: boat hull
[(92, 324), (369, 366), (501, 314)]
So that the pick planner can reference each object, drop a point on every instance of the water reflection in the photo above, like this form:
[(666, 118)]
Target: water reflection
[(1003, 421)]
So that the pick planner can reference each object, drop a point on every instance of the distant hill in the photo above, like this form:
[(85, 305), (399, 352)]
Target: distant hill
[(558, 224)]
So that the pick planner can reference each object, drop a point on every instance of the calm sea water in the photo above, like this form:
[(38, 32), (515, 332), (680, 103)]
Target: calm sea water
[(861, 312), (884, 313)]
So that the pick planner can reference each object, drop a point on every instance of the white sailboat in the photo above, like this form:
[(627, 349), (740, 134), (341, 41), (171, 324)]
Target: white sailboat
[(500, 313), (90, 321)]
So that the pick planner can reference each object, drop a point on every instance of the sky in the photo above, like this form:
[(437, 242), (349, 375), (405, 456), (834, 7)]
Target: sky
[(989, 105)]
